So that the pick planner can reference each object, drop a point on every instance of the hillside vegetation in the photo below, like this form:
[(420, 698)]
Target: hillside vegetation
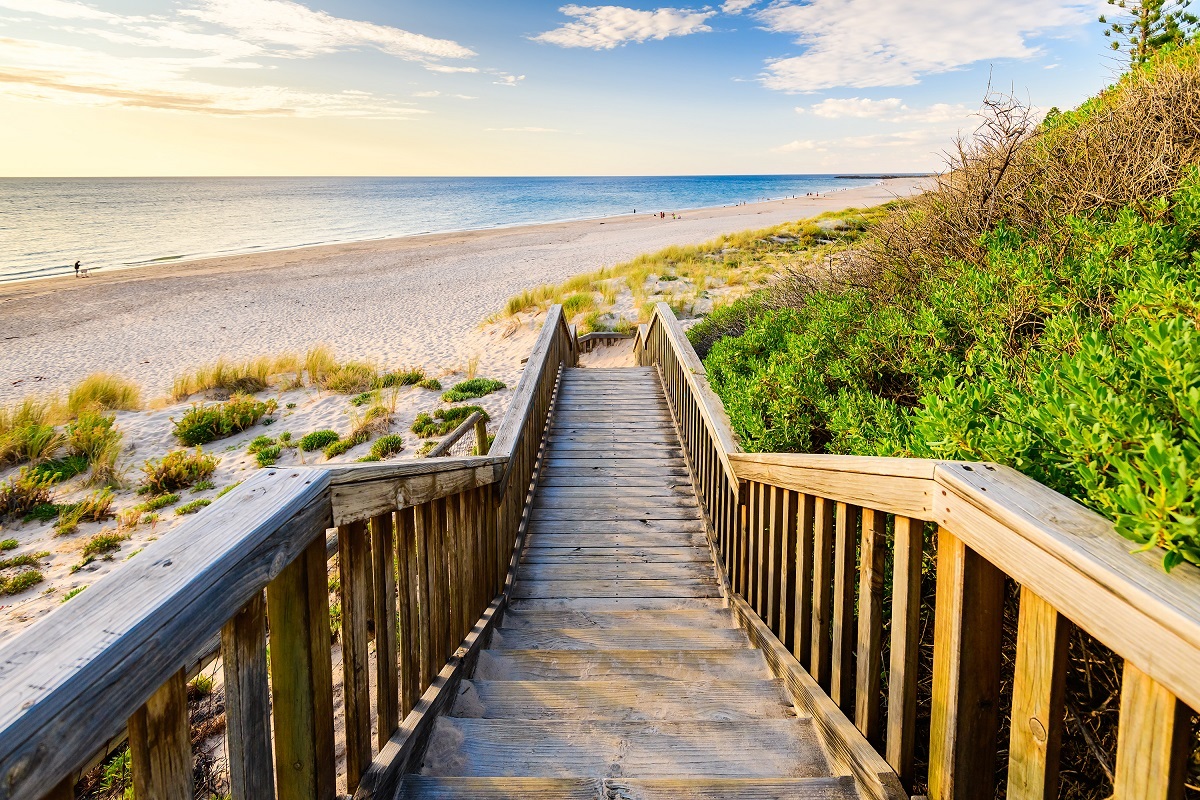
[(1038, 308)]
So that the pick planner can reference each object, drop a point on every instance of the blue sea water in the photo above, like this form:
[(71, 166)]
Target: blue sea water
[(46, 224)]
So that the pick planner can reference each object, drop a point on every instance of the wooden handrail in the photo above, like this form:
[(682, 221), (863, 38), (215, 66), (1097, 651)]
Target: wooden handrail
[(425, 551), (802, 541), (468, 425)]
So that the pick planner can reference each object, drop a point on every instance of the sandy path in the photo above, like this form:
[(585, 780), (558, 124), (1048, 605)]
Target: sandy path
[(415, 300)]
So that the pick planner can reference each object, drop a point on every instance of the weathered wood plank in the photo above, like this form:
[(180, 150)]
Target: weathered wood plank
[(1038, 690), (387, 673), (842, 673), (301, 677), (1153, 740), (160, 747), (822, 613), (902, 670), (665, 571), (430, 788), (873, 552), (573, 665), (131, 635), (630, 638), (354, 564), (247, 702), (966, 673), (689, 587)]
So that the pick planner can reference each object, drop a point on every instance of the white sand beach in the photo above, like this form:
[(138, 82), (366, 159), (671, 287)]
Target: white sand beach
[(409, 301)]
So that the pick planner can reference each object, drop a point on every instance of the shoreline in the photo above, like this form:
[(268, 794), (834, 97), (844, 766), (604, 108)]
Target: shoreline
[(415, 300), (176, 260)]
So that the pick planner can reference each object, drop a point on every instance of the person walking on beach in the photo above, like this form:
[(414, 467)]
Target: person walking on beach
[(76, 269)]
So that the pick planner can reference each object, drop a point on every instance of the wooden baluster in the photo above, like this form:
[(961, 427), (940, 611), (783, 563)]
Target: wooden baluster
[(1153, 740), (247, 702), (966, 673), (742, 586), (774, 514), (354, 564), (756, 546), (454, 580), (301, 677), (160, 745), (870, 626), (387, 675), (424, 523), (805, 518), (787, 582), (65, 790), (442, 608), (844, 630), (408, 624), (822, 642), (1038, 691), (906, 631)]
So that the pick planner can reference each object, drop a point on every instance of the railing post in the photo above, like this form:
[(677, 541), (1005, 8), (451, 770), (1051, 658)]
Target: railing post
[(841, 681), (481, 437), (160, 745), (387, 678), (407, 613), (302, 677), (870, 625), (1152, 742), (905, 641), (355, 566), (248, 702), (822, 643), (1038, 691), (966, 673)]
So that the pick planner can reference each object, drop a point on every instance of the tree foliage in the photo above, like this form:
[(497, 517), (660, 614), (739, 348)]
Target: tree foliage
[(1147, 26)]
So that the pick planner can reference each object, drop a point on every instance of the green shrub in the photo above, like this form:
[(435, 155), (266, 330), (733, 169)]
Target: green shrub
[(318, 440), (386, 446), (1075, 361), (268, 455), (203, 486), (8, 544), (21, 582), (475, 387), (339, 447), (192, 507), (95, 508), (202, 424), (46, 512), (177, 470), (433, 384), (92, 435), (159, 501), (103, 543), (228, 489), (426, 448), (33, 442), (401, 378), (363, 399), (350, 378), (61, 469), (443, 420), (24, 560), (74, 592), (24, 492)]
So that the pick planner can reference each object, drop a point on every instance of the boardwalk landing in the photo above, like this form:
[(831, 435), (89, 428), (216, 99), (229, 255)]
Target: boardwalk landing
[(618, 673)]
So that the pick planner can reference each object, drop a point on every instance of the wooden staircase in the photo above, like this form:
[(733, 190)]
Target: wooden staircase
[(618, 671)]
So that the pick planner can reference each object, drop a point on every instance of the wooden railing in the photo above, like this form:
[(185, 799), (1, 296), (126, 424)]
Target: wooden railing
[(424, 551), (475, 423), (590, 341), (805, 541)]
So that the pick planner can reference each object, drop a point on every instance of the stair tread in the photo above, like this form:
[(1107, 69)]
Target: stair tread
[(421, 787), (628, 699), (684, 665), (630, 638)]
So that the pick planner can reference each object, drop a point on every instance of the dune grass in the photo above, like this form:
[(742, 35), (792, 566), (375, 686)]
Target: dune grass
[(102, 391)]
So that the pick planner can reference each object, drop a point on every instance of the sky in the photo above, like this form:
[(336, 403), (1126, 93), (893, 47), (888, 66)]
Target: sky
[(522, 87)]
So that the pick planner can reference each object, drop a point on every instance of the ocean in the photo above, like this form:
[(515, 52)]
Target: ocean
[(46, 224)]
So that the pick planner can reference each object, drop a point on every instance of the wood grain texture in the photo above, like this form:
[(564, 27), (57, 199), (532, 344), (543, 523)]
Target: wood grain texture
[(873, 554), (160, 748), (902, 669), (387, 626), (1153, 740), (129, 635), (1039, 684), (247, 702), (845, 562), (430, 788), (822, 614), (966, 673), (354, 565)]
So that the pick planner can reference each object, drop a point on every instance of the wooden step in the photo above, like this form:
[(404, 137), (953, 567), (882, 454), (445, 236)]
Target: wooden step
[(553, 535), (608, 499), (631, 571), (594, 604), (636, 526), (678, 665), (618, 639), (688, 587), (535, 553), (566, 749), (420, 787), (624, 700), (711, 619)]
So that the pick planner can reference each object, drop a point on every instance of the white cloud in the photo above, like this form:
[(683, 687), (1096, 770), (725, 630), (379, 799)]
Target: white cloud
[(448, 68), (798, 146), (436, 93), (304, 32), (736, 6), (59, 9), (35, 70), (857, 107), (606, 27), (862, 43), (529, 129), (504, 79)]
